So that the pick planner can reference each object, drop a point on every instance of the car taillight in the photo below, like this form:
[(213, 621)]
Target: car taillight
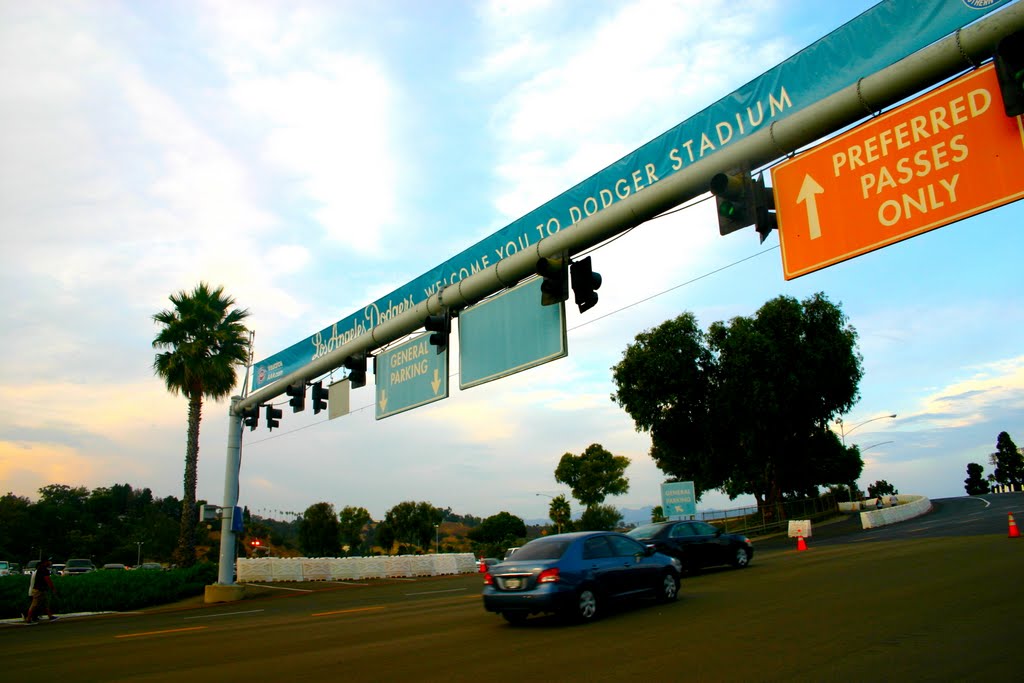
[(488, 579), (548, 576)]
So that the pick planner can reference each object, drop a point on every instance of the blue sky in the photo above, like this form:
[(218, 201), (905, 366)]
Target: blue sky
[(311, 157)]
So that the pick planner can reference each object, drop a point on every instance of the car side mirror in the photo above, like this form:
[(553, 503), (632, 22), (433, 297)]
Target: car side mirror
[(649, 550), (718, 532)]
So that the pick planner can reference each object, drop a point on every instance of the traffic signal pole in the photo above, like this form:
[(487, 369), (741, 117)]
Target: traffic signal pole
[(943, 59), (225, 589)]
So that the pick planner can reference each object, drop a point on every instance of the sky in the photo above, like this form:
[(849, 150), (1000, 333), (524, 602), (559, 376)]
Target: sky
[(313, 156)]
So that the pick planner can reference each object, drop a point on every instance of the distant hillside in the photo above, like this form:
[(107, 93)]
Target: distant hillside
[(630, 517)]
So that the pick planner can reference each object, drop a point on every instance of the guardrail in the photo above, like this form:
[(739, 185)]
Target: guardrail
[(353, 568), (908, 508)]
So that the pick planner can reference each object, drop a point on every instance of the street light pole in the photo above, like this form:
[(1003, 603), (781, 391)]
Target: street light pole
[(138, 557), (437, 528), (843, 433)]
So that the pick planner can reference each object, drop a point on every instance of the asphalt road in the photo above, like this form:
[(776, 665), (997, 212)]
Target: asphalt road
[(936, 598)]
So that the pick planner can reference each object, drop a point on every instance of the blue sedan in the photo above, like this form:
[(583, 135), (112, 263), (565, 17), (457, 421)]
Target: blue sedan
[(577, 574)]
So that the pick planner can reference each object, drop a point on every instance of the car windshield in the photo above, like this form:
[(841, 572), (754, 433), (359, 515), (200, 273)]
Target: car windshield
[(79, 563), (541, 550), (645, 531)]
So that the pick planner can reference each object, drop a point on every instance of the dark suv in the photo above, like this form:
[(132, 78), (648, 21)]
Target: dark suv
[(78, 566)]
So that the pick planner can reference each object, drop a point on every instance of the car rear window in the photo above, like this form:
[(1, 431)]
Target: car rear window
[(541, 550), (647, 531)]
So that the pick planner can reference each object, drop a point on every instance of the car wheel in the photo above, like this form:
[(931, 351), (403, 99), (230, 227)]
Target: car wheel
[(515, 617), (669, 590), (741, 559), (586, 605)]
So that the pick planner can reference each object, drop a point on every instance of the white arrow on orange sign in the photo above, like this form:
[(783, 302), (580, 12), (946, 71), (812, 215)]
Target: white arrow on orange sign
[(808, 196)]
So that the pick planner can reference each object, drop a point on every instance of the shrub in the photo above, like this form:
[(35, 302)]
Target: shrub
[(110, 591)]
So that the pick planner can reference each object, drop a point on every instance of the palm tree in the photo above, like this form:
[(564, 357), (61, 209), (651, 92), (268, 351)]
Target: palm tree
[(202, 341), (559, 512)]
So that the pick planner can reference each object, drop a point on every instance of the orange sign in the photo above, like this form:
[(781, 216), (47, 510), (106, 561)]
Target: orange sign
[(947, 155)]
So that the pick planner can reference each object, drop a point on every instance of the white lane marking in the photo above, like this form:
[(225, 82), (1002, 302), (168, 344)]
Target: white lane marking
[(348, 583), (225, 614), (450, 590), (282, 588)]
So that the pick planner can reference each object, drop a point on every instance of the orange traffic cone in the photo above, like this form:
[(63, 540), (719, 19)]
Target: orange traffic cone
[(801, 544), (1014, 532)]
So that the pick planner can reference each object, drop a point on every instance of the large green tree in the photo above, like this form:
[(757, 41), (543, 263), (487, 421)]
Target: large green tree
[(745, 407), (202, 342), (1008, 461), (503, 528), (353, 521), (975, 484), (600, 518), (881, 488), (319, 531), (593, 475), (413, 522)]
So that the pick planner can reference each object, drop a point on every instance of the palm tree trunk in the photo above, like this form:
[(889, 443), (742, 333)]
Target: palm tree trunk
[(185, 553)]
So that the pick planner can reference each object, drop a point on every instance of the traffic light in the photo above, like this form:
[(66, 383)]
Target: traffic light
[(356, 370), (1009, 61), (555, 287), (584, 282), (298, 394), (441, 326), (743, 201), (251, 417), (319, 397), (273, 417)]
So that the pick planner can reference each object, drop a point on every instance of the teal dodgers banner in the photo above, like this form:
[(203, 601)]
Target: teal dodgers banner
[(880, 36)]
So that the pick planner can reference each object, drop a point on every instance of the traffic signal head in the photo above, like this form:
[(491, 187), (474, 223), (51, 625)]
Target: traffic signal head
[(441, 326), (743, 201), (735, 199), (555, 287), (251, 417), (298, 396), (584, 283), (273, 417), (356, 370), (1009, 61), (319, 397)]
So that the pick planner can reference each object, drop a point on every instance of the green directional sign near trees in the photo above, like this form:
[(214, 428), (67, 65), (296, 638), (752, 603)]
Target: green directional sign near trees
[(678, 500), (410, 375)]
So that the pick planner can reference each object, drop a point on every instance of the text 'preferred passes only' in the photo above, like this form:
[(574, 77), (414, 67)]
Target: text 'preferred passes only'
[(947, 155)]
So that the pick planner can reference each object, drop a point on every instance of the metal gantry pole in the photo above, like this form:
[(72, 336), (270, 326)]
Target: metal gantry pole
[(226, 573)]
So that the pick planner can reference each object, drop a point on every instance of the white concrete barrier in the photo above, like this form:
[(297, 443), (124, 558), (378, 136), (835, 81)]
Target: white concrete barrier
[(352, 568), (909, 507)]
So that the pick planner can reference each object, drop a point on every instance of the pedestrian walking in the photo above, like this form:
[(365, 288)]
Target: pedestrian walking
[(40, 589)]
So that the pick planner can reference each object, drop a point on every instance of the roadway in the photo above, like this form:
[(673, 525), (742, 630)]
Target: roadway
[(935, 598)]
